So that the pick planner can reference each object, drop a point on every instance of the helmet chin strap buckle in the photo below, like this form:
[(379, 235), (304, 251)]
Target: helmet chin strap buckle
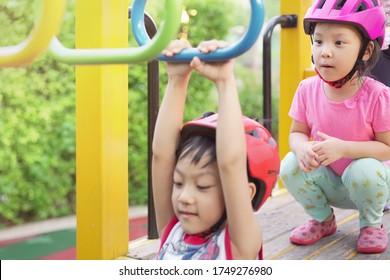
[(335, 84)]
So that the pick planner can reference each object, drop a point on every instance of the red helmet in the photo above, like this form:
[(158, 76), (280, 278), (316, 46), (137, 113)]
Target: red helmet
[(262, 152)]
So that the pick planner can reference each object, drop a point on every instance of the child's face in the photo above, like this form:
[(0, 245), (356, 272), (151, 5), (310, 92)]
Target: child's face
[(197, 196), (335, 49)]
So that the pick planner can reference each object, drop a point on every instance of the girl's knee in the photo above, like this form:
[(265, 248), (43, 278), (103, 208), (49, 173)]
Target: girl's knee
[(288, 166), (365, 170), (367, 181)]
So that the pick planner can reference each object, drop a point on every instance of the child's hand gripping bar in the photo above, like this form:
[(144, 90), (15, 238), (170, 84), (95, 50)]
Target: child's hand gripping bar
[(234, 50)]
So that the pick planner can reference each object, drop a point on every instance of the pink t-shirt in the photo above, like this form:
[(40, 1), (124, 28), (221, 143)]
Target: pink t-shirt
[(355, 119)]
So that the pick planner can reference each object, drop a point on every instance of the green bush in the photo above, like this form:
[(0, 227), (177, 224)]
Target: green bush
[(37, 103), (37, 124), (211, 21)]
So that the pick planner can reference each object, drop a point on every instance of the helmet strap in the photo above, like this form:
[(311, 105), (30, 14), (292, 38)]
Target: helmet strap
[(338, 83), (358, 64), (214, 228)]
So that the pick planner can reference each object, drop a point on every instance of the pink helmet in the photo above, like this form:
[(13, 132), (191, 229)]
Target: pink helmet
[(367, 15), (262, 152)]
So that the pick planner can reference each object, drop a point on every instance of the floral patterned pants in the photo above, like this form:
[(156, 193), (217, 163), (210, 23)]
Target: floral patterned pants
[(364, 185)]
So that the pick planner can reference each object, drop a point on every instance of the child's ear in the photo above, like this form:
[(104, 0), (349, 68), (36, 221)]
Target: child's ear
[(252, 189), (369, 51)]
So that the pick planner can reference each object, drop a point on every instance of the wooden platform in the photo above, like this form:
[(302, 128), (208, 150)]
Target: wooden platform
[(278, 217)]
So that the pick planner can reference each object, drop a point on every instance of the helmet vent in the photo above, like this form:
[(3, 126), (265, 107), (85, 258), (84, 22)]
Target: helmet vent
[(340, 4), (253, 133), (321, 4), (207, 114), (375, 2), (362, 7)]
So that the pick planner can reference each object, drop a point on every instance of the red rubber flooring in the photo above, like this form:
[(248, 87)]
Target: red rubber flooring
[(57, 245)]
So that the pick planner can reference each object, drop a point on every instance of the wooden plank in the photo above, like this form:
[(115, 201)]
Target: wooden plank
[(282, 214), (383, 256), (282, 248), (143, 249), (278, 217)]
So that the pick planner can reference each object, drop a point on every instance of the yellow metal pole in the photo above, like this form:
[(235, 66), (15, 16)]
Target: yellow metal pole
[(102, 131), (295, 55)]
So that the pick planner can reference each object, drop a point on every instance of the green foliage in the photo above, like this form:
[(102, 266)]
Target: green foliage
[(200, 93), (211, 21), (37, 125), (37, 103)]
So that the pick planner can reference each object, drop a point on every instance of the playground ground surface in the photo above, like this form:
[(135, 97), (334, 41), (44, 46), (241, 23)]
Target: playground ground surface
[(55, 239)]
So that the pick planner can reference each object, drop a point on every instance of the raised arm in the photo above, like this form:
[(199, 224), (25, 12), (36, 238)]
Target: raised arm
[(167, 133), (244, 230)]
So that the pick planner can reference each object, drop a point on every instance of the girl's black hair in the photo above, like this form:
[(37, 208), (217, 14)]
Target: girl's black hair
[(260, 190), (365, 67), (197, 145)]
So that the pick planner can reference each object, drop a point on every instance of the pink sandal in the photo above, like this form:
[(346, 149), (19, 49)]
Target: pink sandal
[(372, 240), (312, 231)]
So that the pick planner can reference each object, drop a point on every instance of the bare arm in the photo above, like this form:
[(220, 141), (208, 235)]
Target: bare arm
[(166, 136), (231, 154), (244, 230)]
